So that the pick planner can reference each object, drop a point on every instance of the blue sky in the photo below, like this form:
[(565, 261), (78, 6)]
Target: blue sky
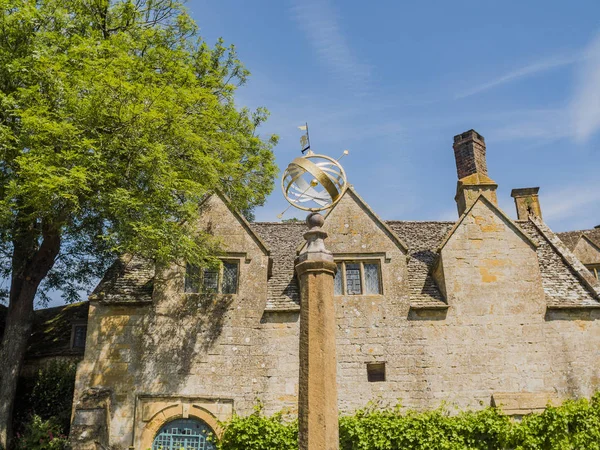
[(393, 82)]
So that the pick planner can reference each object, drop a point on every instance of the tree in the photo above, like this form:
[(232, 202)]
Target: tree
[(116, 120)]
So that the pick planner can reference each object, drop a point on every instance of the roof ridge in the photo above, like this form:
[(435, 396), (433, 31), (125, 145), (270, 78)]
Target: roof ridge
[(496, 208), (567, 255)]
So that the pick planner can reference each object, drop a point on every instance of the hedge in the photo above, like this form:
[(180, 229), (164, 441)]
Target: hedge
[(574, 425)]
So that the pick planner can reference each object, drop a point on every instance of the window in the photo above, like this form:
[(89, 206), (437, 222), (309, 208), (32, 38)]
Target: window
[(375, 372), (190, 434), (357, 278), (79, 334), (221, 280), (595, 269)]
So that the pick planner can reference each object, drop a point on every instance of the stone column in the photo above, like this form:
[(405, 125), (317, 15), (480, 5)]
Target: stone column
[(317, 396)]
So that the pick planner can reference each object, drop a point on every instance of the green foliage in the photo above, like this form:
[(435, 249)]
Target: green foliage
[(47, 396), (116, 119), (573, 426), (257, 432), (41, 434)]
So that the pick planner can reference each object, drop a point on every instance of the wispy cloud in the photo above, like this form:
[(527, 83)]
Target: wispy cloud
[(529, 70), (320, 23), (585, 105), (571, 201), (539, 125)]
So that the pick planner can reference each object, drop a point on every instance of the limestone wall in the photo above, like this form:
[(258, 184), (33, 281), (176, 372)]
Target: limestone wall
[(188, 355)]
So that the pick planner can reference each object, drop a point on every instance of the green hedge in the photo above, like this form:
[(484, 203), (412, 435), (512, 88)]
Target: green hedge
[(573, 426)]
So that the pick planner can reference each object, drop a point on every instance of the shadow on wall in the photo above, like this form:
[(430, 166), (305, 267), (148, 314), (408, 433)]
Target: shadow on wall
[(572, 314), (172, 339)]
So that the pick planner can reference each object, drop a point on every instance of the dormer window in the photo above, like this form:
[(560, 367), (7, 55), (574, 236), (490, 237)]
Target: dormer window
[(220, 280), (357, 278), (595, 269)]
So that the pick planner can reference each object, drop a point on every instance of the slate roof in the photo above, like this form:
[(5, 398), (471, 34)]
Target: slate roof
[(566, 282), (51, 332), (283, 240), (571, 238), (129, 280), (422, 239)]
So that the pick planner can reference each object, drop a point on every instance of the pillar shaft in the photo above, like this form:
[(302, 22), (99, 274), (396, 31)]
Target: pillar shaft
[(317, 396)]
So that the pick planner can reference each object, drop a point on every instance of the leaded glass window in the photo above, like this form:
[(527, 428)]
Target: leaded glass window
[(353, 284), (338, 281), (187, 434), (210, 280), (230, 277), (358, 278), (192, 278), (371, 278), (222, 280)]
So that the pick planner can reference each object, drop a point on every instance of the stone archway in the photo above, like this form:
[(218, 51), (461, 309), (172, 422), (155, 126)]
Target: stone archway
[(170, 414)]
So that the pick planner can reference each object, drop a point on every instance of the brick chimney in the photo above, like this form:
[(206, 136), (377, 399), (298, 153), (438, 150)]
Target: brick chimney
[(527, 202), (471, 167), (469, 152)]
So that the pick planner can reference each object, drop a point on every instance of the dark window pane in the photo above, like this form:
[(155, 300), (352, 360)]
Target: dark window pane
[(375, 372), (372, 279), (337, 282), (210, 280), (353, 286), (230, 278), (79, 336), (192, 278)]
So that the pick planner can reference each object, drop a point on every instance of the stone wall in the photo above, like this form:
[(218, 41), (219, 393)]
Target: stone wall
[(207, 356)]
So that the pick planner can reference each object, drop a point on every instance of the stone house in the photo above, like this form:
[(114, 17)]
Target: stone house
[(484, 310)]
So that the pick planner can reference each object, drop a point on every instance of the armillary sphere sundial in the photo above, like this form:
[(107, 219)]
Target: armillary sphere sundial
[(313, 182)]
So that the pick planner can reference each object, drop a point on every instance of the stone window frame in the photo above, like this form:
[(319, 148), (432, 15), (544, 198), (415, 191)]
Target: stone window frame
[(74, 327), (595, 269), (361, 260), (232, 259)]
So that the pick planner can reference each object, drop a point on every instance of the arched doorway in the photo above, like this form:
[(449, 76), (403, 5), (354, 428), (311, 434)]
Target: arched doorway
[(188, 434)]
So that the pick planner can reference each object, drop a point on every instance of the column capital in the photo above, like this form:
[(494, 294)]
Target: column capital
[(315, 265)]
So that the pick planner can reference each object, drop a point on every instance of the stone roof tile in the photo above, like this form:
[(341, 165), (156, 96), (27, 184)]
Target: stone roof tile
[(130, 280), (564, 282), (283, 239), (571, 238), (51, 331), (422, 239)]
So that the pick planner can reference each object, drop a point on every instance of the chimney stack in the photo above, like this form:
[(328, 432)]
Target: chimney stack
[(469, 152), (527, 202), (471, 167)]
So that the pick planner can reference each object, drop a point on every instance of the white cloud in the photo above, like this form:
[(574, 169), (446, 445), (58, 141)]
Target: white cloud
[(319, 22), (571, 201), (538, 125), (585, 105), (522, 72)]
